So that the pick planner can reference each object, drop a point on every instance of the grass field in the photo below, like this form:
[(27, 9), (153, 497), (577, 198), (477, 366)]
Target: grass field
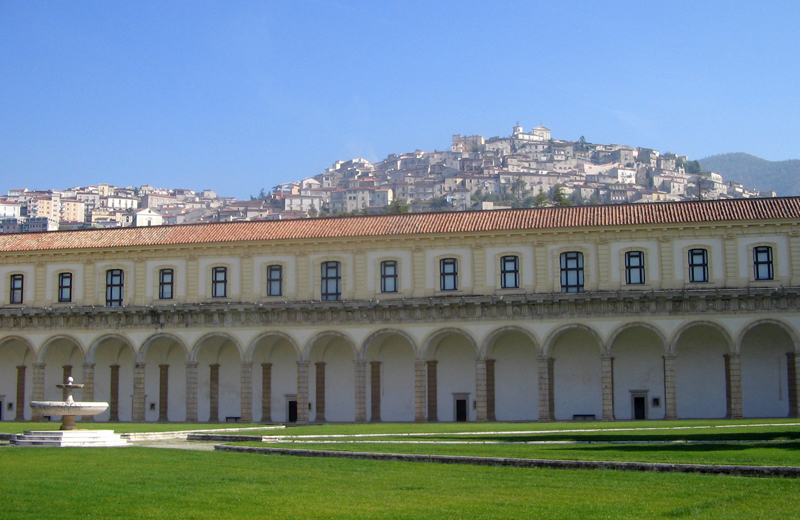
[(140, 482)]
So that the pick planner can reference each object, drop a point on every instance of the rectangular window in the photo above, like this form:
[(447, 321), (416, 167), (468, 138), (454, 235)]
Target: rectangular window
[(448, 274), (509, 272), (389, 276), (115, 279), (64, 287), (762, 263), (219, 282), (331, 281), (634, 267), (275, 280), (572, 272), (166, 284), (698, 265), (17, 281)]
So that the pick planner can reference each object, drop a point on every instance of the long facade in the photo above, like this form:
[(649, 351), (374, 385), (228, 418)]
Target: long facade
[(680, 310)]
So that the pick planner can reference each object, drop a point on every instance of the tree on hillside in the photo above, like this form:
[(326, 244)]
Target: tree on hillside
[(559, 199), (397, 206)]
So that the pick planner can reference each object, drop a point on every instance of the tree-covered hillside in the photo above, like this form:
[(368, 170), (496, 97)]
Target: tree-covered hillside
[(754, 172)]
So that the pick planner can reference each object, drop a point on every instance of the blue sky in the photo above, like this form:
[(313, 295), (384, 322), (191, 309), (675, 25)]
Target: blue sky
[(236, 96)]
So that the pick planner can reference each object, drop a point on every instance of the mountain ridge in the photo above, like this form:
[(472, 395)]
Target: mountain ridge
[(783, 177)]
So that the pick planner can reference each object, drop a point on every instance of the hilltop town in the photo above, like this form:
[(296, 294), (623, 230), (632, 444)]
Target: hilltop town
[(522, 170)]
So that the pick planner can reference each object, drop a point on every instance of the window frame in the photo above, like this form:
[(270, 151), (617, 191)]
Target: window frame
[(448, 274), (769, 264), (331, 281), (164, 284), (219, 282), (505, 273), (274, 284), (115, 291), (630, 269), (65, 280), (694, 254), (389, 280), (16, 294), (568, 285)]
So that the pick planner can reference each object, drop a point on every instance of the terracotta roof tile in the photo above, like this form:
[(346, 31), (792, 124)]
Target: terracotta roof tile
[(786, 208)]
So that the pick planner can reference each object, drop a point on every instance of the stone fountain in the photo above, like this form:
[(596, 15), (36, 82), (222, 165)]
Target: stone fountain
[(68, 434)]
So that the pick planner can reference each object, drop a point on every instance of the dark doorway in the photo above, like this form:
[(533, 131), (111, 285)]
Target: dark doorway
[(461, 410), (639, 408), (292, 411)]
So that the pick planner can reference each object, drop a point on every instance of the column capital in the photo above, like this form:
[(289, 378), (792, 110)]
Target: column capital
[(88, 365), (192, 364)]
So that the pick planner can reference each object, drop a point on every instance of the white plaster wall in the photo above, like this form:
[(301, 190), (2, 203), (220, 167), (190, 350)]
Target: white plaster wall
[(638, 365), (340, 383), (700, 374), (111, 352), (765, 377), (397, 381), (51, 283), (577, 387), (516, 378), (455, 374), (12, 354), (172, 355)]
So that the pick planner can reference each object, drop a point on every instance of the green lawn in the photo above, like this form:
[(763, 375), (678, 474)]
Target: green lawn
[(153, 483)]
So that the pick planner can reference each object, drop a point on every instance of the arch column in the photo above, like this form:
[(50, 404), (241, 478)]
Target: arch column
[(361, 391), (490, 391), (733, 385), (163, 393), (546, 394), (113, 401), (191, 392), (138, 406), (793, 366), (38, 389), (670, 395), (480, 390), (375, 391), (420, 382), (213, 387), (247, 393), (20, 414), (433, 404), (608, 386), (266, 392), (320, 392), (302, 392)]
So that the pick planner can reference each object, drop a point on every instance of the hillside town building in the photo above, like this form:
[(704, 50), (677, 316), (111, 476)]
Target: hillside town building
[(614, 312)]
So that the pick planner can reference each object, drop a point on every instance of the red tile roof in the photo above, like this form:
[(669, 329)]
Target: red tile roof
[(654, 214)]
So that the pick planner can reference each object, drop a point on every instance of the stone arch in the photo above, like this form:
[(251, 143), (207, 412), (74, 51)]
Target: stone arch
[(440, 333), (161, 335), (16, 383), (633, 324), (390, 356), (512, 374), (700, 350), (248, 355), (49, 342), (547, 349), (768, 321), (700, 323), (26, 343), (638, 350), (98, 341), (205, 337), (330, 334)]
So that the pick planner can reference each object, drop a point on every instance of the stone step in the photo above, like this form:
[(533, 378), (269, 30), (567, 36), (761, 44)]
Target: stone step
[(70, 438)]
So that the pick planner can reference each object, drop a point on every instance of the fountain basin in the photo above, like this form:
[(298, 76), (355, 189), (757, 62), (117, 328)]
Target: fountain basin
[(67, 408)]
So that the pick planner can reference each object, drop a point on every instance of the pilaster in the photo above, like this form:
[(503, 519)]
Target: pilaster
[(249, 293), (546, 397), (360, 261), (420, 382), (266, 392), (794, 255), (361, 391), (304, 292), (139, 396), (113, 400), (89, 283), (163, 393), (604, 264), (667, 263), (139, 281), (731, 259), (733, 386), (433, 404), (490, 394), (88, 388), (543, 279), (192, 286), (38, 389), (480, 390), (40, 283), (20, 415), (213, 388), (320, 393), (793, 365), (191, 392), (302, 392), (479, 269), (418, 258), (608, 387), (246, 413), (670, 395)]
